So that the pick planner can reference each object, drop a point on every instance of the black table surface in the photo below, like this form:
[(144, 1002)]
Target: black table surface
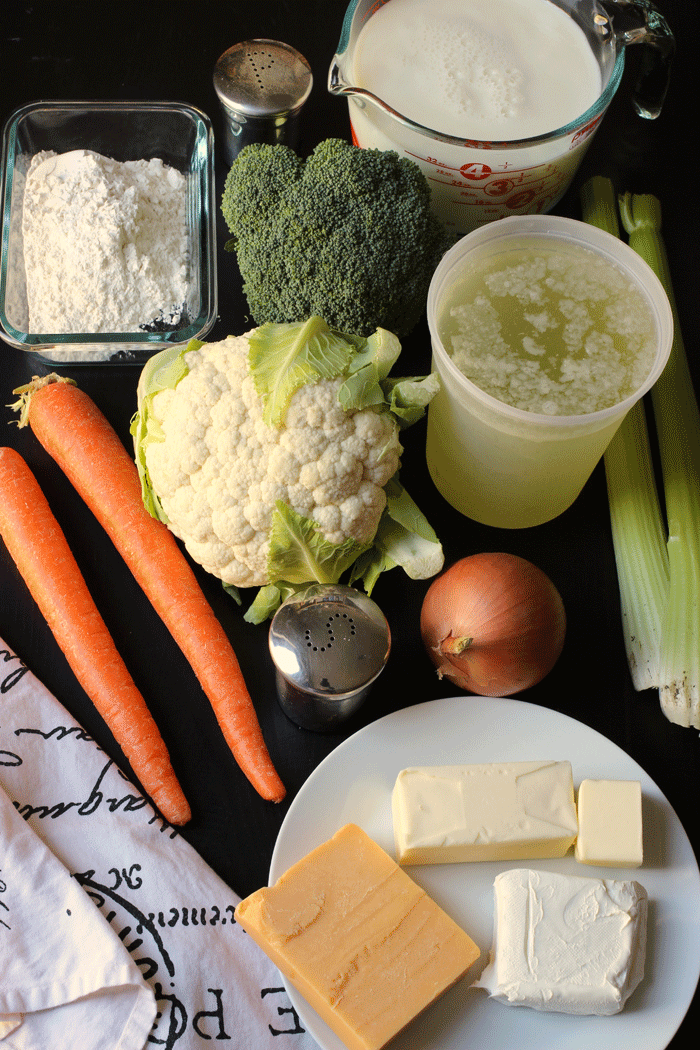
[(166, 49)]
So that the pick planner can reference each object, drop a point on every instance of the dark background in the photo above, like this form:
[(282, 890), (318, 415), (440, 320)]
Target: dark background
[(166, 49)]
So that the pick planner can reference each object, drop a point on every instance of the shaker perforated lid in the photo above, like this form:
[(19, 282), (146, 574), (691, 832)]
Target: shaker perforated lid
[(328, 643), (262, 79)]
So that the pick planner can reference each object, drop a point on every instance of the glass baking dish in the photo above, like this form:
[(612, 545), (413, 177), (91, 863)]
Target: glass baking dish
[(177, 134)]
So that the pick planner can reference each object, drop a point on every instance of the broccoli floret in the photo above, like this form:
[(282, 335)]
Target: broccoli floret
[(346, 234)]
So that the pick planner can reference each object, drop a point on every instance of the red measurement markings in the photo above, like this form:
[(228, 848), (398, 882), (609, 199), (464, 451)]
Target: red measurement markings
[(375, 7), (583, 133), (475, 172)]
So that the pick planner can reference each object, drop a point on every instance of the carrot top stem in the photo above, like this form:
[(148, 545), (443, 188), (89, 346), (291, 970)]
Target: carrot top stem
[(27, 391)]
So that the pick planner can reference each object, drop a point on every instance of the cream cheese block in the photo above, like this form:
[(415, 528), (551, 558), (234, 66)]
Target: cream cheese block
[(566, 943), (610, 823), (358, 938), (495, 811)]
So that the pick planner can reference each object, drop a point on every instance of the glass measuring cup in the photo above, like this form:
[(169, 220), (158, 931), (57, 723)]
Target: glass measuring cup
[(473, 180)]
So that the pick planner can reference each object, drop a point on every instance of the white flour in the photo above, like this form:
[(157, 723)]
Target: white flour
[(105, 243)]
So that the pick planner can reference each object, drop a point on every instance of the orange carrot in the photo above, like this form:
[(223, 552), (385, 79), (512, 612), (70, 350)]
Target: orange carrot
[(81, 440), (40, 550)]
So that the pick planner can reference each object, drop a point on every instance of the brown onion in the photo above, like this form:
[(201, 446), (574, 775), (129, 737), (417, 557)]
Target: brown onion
[(494, 624)]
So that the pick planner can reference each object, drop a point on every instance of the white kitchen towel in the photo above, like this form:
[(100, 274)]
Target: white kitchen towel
[(168, 912), (67, 980)]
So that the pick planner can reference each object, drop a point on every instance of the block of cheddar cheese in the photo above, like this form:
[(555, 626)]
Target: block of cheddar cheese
[(492, 811), (358, 938)]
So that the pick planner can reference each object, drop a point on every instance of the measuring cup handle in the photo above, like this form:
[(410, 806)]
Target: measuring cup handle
[(643, 24)]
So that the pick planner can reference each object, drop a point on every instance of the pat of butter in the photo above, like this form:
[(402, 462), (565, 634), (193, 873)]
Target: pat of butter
[(565, 943), (496, 811), (610, 823), (358, 938)]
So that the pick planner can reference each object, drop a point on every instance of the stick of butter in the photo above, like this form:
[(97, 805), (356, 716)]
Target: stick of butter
[(358, 938), (610, 823), (496, 811), (565, 943)]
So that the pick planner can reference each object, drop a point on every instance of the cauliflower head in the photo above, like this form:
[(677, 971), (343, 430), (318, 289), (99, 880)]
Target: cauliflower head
[(220, 470), (274, 456)]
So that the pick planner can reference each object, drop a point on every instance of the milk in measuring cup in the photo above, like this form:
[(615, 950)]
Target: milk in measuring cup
[(479, 69), (483, 70)]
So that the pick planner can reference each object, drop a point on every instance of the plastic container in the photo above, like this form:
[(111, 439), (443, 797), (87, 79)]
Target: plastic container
[(177, 134), (501, 465)]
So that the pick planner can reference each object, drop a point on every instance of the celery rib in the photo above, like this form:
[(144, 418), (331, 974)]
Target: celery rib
[(639, 544), (678, 429), (637, 527)]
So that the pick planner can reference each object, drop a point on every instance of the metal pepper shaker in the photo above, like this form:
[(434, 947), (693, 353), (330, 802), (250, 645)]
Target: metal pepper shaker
[(328, 643), (262, 85)]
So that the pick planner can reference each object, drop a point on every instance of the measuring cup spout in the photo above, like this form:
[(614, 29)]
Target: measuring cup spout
[(640, 22), (338, 85)]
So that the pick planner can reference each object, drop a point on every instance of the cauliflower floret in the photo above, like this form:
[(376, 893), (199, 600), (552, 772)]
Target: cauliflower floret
[(339, 473), (359, 511), (220, 468)]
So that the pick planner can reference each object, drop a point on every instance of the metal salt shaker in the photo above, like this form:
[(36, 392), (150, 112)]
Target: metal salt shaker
[(328, 643), (262, 85)]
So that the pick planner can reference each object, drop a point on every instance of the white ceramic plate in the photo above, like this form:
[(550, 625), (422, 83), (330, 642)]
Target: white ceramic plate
[(354, 784)]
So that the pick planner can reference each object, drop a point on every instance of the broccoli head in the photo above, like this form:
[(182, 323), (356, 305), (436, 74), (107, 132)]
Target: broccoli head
[(346, 234)]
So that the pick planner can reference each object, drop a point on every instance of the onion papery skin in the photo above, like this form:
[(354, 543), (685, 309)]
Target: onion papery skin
[(511, 611)]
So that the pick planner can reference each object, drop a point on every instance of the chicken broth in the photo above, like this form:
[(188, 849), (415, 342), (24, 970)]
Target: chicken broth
[(550, 331)]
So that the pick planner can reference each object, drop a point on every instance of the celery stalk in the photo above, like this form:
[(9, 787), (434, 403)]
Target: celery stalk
[(678, 429), (637, 527), (639, 543)]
